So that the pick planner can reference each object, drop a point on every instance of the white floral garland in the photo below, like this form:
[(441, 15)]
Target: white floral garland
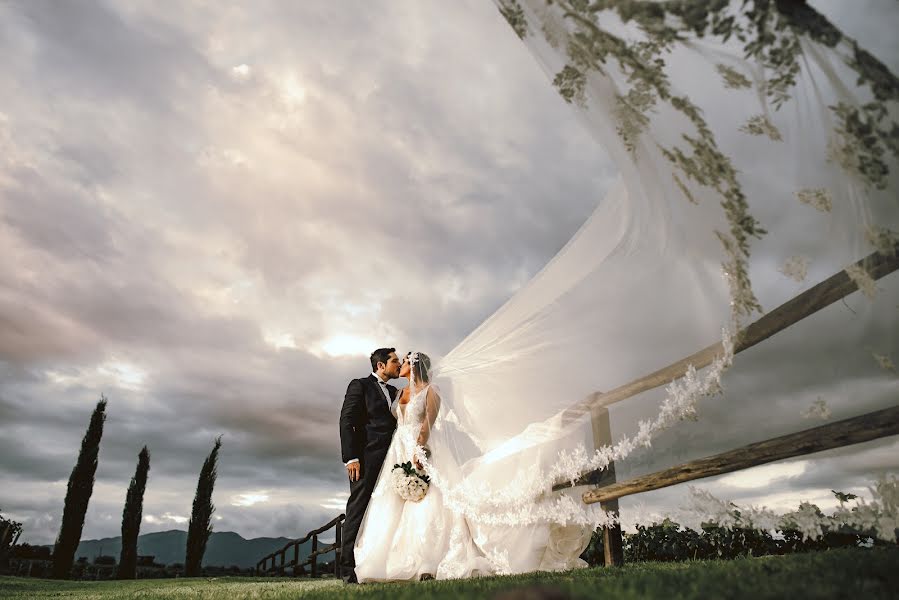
[(527, 499), (881, 515)]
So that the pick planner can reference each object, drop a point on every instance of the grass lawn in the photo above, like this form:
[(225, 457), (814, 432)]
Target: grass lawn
[(865, 574)]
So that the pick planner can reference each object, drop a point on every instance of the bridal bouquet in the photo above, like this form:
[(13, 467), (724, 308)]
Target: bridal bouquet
[(409, 483)]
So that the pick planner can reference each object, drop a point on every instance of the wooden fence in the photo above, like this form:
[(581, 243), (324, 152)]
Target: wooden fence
[(276, 562), (606, 490)]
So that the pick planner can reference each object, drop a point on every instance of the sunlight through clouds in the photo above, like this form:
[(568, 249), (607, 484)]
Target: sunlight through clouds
[(241, 72), (165, 518), (125, 375), (292, 91), (113, 373), (250, 498), (347, 345)]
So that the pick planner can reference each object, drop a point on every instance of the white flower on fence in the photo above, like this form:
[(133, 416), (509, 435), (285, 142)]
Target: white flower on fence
[(880, 516), (796, 268), (818, 410), (885, 240), (727, 514), (863, 280), (807, 519)]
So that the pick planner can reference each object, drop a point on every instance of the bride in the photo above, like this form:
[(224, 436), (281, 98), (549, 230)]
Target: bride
[(405, 540)]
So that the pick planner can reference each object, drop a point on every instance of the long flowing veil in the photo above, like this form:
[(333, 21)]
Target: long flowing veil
[(757, 148)]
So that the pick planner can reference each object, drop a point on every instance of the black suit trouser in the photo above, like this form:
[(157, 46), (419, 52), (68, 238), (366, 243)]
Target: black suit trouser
[(360, 495)]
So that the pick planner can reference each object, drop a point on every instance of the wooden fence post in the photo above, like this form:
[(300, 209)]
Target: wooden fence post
[(338, 534), (314, 566), (612, 544), (296, 559)]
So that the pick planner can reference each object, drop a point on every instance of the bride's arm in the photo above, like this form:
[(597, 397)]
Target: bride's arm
[(432, 407)]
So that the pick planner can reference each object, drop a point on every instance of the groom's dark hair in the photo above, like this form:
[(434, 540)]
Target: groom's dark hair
[(380, 355)]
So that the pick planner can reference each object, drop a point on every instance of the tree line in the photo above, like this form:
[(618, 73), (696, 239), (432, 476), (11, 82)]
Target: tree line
[(81, 486)]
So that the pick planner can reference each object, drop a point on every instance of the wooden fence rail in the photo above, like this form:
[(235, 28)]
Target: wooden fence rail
[(864, 428), (276, 562)]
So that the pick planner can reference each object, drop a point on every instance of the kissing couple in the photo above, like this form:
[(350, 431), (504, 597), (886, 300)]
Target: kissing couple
[(386, 537)]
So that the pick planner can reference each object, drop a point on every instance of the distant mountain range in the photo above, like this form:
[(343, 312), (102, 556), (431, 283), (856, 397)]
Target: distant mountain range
[(224, 549)]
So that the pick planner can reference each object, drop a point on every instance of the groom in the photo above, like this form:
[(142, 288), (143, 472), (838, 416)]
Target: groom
[(366, 428)]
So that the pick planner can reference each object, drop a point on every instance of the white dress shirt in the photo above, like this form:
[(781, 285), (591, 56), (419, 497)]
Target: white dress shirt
[(383, 385)]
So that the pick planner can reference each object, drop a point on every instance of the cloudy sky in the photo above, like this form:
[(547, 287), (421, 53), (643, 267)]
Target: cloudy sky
[(212, 214)]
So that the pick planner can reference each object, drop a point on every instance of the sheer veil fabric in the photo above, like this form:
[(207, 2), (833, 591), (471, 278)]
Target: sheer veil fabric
[(757, 149)]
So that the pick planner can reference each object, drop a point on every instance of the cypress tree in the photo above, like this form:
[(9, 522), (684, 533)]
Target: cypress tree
[(200, 525), (78, 494), (131, 517)]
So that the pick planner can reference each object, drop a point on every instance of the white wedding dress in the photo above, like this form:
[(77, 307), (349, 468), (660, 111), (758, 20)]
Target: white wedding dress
[(400, 540)]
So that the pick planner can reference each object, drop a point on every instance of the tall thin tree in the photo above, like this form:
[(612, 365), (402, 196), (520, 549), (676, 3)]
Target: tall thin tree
[(200, 525), (131, 516), (78, 494)]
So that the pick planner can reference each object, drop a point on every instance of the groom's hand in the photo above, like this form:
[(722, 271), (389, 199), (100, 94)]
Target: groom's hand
[(354, 470)]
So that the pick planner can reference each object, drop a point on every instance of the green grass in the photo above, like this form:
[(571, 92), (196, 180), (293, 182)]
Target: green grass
[(864, 574)]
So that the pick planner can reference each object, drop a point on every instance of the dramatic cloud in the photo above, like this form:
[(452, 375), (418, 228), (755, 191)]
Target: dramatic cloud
[(212, 214)]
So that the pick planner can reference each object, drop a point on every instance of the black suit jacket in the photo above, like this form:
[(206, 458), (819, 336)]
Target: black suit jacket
[(366, 423)]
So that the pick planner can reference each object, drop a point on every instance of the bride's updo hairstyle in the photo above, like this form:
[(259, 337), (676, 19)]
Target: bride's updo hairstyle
[(421, 366)]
